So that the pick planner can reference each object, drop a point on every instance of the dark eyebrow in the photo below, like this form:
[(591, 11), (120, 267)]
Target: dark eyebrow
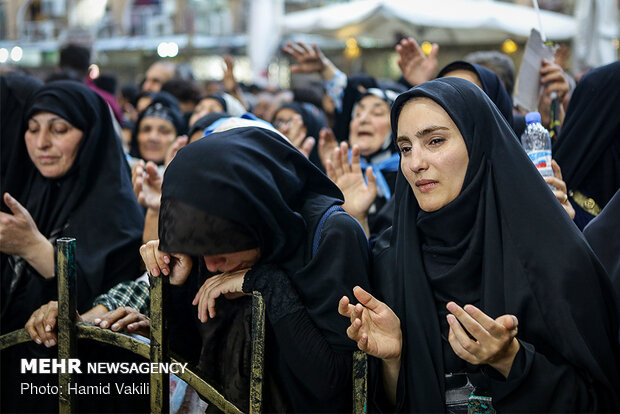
[(402, 138), (430, 130)]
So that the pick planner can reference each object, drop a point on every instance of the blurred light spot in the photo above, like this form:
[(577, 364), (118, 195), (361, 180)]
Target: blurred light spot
[(426, 48), (167, 49), (352, 50), (16, 54), (509, 46)]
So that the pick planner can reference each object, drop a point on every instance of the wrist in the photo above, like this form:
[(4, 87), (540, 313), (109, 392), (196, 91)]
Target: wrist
[(504, 365), (93, 314), (329, 70), (40, 255)]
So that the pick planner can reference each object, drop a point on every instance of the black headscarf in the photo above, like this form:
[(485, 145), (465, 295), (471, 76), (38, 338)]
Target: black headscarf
[(350, 97), (204, 122), (491, 84), (14, 93), (254, 178), (92, 202), (588, 148), (480, 249), (163, 106), (219, 98)]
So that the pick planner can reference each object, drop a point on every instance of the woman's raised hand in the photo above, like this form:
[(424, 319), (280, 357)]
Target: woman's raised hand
[(177, 266), (414, 64), (147, 184), (494, 340), (358, 194), (309, 58), (173, 149), (229, 284), (327, 144), (18, 231), (374, 326), (20, 236)]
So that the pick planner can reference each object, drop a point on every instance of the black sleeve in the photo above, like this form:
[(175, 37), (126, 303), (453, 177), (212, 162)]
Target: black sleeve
[(537, 383), (301, 345), (275, 287), (121, 264), (341, 262)]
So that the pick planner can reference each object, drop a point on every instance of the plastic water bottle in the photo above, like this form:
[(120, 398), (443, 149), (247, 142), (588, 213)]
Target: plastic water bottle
[(537, 143)]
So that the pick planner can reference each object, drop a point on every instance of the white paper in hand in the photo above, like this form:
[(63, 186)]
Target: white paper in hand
[(528, 80)]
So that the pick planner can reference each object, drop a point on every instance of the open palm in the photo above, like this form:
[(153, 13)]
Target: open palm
[(374, 326), (348, 176)]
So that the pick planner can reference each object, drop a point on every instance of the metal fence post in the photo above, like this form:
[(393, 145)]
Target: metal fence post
[(360, 383), (258, 353), (67, 310), (160, 382)]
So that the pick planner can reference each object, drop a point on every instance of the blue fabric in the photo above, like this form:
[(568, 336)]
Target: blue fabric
[(248, 115), (319, 227), (391, 164)]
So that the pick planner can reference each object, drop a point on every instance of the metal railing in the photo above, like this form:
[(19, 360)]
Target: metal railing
[(69, 331)]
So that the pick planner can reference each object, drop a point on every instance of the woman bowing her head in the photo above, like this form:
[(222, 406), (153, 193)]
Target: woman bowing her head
[(487, 288), (250, 212)]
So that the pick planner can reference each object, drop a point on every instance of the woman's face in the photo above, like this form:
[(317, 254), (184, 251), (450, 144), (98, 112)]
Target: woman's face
[(155, 135), (205, 107), (370, 125), (52, 144), (283, 120), (434, 157), (231, 262)]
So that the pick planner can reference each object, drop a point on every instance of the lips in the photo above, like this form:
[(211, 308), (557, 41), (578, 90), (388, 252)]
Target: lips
[(47, 159), (426, 185)]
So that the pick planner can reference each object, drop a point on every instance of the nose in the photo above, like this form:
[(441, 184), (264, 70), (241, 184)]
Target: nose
[(363, 116), (153, 135), (43, 139), (214, 262), (416, 161)]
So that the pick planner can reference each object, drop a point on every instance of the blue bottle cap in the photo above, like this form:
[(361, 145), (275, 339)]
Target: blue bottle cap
[(532, 117)]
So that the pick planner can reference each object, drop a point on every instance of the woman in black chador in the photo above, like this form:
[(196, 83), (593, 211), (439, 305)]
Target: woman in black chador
[(256, 213), (588, 149), (67, 177), (494, 291)]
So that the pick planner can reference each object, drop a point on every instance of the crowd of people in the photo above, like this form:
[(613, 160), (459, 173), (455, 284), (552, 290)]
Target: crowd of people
[(399, 217)]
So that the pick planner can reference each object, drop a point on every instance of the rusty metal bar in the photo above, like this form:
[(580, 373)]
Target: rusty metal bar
[(160, 382), (203, 388), (360, 383), (15, 337), (258, 353), (118, 339), (67, 311)]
